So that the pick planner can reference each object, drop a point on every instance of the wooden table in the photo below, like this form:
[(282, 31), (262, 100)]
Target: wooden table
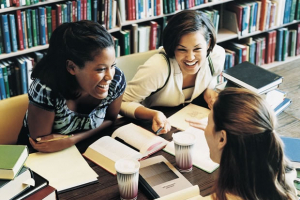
[(107, 187)]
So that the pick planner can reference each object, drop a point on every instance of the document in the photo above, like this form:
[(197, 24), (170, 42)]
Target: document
[(190, 111), (201, 155), (64, 170), (129, 141)]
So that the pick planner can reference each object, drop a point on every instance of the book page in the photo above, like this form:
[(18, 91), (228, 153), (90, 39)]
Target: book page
[(201, 156), (140, 138), (113, 149), (63, 169), (177, 120), (191, 193)]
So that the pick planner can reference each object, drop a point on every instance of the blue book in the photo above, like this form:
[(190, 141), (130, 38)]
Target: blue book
[(1, 40), (78, 10), (23, 28), (6, 35), (13, 31), (24, 81), (69, 11), (255, 16), (95, 10), (29, 28), (291, 148), (42, 26), (279, 45), (245, 22), (2, 84), (89, 10), (287, 11), (282, 106)]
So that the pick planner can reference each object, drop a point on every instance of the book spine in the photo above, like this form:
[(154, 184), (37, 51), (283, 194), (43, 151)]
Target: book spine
[(89, 10), (2, 85), (18, 80), (13, 32), (42, 25), (20, 32), (24, 29), (153, 35), (6, 83), (58, 15), (6, 35), (11, 80), (24, 79), (34, 28), (279, 41), (49, 21), (29, 28), (78, 10), (95, 10), (54, 20), (298, 40)]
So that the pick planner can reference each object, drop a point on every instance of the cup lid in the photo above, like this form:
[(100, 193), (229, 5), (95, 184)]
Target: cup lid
[(184, 138), (127, 165)]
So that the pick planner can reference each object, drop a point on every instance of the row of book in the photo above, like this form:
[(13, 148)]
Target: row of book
[(275, 45), (263, 15), (34, 26), (140, 9), (260, 81), (18, 181), (15, 74), (17, 3)]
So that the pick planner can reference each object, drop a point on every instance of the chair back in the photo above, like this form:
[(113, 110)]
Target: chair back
[(129, 63), (12, 112)]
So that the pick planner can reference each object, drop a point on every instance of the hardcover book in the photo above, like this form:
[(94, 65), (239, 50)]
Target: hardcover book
[(12, 159), (46, 193), (252, 77), (127, 141)]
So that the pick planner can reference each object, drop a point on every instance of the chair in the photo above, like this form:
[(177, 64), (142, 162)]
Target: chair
[(12, 112), (129, 63)]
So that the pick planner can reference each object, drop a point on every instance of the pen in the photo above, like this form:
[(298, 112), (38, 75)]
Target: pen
[(57, 138), (157, 132)]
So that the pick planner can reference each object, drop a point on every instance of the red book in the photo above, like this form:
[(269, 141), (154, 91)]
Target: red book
[(46, 192), (158, 7), (238, 10), (129, 10), (54, 21), (58, 15), (274, 34), (84, 10), (298, 40), (74, 11), (263, 14), (269, 47), (133, 10), (264, 43), (17, 3), (106, 14), (81, 10), (20, 32), (257, 52), (153, 35)]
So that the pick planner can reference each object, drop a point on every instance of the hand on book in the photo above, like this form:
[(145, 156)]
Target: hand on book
[(160, 123), (52, 143), (210, 97), (197, 123)]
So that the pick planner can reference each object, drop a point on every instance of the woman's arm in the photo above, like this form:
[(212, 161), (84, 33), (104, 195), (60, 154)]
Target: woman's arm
[(43, 133)]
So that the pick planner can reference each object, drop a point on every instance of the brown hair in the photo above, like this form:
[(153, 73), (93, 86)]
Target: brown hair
[(252, 164), (185, 22)]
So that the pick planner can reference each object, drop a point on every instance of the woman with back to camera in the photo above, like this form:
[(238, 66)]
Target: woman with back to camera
[(242, 139), (189, 41), (77, 89)]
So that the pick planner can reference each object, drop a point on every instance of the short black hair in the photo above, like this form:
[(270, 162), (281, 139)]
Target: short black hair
[(184, 22), (76, 41)]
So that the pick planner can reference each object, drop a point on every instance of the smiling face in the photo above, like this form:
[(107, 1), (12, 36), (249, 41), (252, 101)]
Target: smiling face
[(94, 78), (191, 52)]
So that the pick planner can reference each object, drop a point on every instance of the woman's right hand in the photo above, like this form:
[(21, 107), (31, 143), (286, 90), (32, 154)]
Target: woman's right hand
[(160, 121)]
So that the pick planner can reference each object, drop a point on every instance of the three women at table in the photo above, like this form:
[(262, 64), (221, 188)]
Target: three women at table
[(77, 89), (189, 71), (242, 139)]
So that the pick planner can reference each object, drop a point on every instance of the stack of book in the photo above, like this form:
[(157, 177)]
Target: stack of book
[(18, 181), (259, 80)]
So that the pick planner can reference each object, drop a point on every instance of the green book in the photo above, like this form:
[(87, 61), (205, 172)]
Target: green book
[(34, 28), (89, 9), (285, 43), (292, 42), (12, 159), (124, 39), (29, 27), (1, 39), (49, 21), (293, 10)]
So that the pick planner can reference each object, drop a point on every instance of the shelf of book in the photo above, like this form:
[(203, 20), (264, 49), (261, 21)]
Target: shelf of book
[(225, 35), (278, 63), (14, 8), (22, 52)]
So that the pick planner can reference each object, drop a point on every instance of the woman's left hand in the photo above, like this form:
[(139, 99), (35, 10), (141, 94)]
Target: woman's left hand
[(51, 143), (210, 97), (197, 123)]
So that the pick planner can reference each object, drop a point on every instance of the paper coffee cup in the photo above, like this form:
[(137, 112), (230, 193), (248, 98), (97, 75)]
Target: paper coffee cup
[(184, 145), (128, 178)]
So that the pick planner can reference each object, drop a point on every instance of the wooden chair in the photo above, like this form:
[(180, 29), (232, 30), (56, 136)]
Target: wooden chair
[(129, 63), (12, 112)]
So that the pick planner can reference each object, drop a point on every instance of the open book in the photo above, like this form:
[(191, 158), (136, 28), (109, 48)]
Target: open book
[(191, 193), (107, 150), (201, 157), (177, 120), (64, 170)]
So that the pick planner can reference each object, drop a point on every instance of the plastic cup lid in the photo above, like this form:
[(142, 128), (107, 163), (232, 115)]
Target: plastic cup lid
[(184, 138), (127, 166)]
